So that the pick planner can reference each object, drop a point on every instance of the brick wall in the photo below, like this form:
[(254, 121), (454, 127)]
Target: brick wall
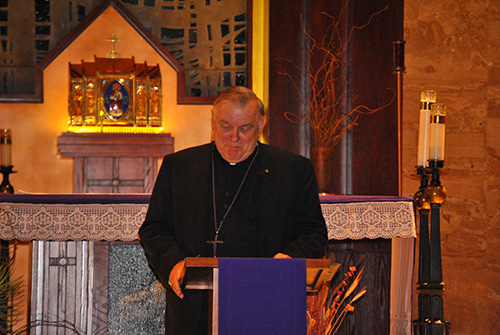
[(453, 47)]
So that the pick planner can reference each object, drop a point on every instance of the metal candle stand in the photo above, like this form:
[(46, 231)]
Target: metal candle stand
[(6, 187), (430, 283)]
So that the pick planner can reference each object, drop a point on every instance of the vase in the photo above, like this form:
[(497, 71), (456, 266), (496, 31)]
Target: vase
[(322, 160)]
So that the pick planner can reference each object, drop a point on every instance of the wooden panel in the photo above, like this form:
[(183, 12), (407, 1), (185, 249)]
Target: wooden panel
[(98, 189), (98, 174), (286, 52), (115, 145), (375, 139), (371, 313), (99, 168), (130, 169), (60, 287), (131, 174), (150, 172)]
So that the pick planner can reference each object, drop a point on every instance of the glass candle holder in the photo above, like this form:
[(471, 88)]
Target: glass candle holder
[(437, 131), (427, 98)]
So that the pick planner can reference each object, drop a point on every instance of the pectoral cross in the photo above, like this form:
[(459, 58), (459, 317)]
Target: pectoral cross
[(215, 242)]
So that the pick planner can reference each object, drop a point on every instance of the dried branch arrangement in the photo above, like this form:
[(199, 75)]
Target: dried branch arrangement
[(334, 305), (328, 113)]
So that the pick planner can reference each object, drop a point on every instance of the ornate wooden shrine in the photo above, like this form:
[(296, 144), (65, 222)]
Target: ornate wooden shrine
[(114, 92)]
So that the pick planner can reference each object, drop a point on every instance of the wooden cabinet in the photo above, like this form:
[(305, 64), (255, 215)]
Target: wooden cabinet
[(115, 163)]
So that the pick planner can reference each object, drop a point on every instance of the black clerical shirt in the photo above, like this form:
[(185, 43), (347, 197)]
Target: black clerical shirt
[(239, 230)]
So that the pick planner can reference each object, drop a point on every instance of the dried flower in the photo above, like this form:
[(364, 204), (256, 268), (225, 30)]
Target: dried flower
[(340, 303)]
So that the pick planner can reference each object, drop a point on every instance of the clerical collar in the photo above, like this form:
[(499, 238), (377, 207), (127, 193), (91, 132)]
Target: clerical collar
[(247, 160)]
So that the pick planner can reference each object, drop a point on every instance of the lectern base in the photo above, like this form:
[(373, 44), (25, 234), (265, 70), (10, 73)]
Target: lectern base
[(252, 295)]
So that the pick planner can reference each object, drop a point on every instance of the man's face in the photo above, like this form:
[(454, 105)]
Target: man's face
[(236, 129)]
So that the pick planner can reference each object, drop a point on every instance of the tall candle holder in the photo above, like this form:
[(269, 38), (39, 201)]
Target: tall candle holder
[(427, 99), (430, 285), (6, 161)]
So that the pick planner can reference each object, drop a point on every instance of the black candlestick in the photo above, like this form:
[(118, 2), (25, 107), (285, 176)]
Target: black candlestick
[(6, 187), (430, 283)]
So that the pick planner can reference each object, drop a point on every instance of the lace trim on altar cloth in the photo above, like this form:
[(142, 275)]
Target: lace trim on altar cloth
[(120, 222), (400, 324), (62, 222), (369, 220)]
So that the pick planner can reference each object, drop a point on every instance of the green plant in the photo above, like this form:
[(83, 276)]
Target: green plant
[(10, 288), (10, 294)]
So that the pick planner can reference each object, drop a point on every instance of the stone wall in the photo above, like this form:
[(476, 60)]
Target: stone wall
[(453, 47)]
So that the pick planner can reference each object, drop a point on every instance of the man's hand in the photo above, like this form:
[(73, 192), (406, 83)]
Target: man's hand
[(280, 255), (176, 277)]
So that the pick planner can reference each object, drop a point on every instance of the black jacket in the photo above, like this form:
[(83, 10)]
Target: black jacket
[(289, 219)]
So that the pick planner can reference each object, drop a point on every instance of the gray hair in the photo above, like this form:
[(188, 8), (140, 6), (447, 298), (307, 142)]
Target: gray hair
[(241, 96)]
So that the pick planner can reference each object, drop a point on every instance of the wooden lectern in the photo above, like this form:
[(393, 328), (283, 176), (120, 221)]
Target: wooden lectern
[(203, 274)]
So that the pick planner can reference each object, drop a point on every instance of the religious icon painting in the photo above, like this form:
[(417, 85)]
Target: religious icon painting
[(117, 101)]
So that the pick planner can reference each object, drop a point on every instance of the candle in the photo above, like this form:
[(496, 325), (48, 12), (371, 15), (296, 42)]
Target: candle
[(436, 131), (427, 98), (5, 144)]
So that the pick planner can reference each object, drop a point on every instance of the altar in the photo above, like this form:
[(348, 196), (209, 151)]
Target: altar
[(89, 269)]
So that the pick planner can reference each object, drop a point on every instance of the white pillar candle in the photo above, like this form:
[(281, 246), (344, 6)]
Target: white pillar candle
[(436, 131), (5, 144), (427, 98)]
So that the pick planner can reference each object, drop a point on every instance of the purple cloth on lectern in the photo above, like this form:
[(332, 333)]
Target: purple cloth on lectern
[(262, 296)]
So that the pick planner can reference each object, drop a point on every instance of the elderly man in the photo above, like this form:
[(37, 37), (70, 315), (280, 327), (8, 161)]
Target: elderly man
[(234, 197)]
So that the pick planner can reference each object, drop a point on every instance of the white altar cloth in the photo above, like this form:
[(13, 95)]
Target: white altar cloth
[(117, 217)]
